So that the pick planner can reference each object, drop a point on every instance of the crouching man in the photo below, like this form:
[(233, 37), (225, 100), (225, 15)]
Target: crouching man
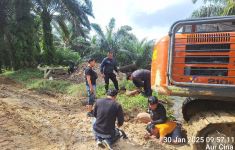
[(160, 126), (106, 112), (141, 78)]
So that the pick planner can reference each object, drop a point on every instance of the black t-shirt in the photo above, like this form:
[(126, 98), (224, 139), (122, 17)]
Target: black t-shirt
[(89, 71), (106, 112), (158, 115), (141, 75)]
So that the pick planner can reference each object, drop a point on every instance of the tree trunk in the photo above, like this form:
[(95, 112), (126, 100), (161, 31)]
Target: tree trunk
[(48, 47), (1, 47), (25, 35), (3, 10), (128, 68)]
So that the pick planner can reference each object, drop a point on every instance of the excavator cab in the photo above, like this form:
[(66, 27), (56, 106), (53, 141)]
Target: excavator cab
[(197, 61)]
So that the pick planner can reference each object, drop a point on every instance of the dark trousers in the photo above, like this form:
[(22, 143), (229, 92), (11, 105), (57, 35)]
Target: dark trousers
[(147, 88), (111, 76), (111, 139)]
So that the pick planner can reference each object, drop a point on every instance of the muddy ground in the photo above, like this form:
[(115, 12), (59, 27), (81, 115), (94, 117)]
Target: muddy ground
[(44, 121)]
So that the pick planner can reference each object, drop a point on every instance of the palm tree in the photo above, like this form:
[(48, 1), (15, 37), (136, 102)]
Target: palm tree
[(66, 37), (208, 11), (107, 40), (215, 8), (76, 11), (127, 48), (111, 40), (4, 5), (24, 47), (230, 7)]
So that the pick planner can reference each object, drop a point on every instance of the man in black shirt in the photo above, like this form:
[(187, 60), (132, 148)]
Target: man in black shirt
[(90, 76), (141, 78), (157, 113), (106, 112), (107, 68)]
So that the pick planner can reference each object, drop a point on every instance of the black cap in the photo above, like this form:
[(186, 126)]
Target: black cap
[(112, 93), (152, 100), (90, 60)]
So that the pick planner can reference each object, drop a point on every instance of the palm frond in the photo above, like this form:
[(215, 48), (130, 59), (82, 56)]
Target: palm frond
[(208, 11), (111, 25), (98, 30), (230, 8)]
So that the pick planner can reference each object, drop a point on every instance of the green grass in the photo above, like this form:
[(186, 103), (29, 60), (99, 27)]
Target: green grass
[(33, 79), (24, 76), (136, 103)]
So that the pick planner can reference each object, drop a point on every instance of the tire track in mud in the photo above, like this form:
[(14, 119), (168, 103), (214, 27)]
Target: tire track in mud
[(29, 116)]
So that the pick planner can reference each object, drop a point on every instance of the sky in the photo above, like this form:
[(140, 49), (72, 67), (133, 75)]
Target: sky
[(149, 19)]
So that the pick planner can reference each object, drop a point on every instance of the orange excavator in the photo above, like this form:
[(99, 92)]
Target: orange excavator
[(197, 61)]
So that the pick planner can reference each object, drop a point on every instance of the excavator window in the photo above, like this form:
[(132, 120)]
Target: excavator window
[(207, 28)]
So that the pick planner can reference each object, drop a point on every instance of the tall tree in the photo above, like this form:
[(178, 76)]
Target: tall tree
[(215, 8), (76, 11), (66, 37), (127, 48), (3, 23), (24, 50), (110, 39)]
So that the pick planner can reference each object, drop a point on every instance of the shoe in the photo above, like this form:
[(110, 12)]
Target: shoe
[(106, 144), (90, 114), (100, 144)]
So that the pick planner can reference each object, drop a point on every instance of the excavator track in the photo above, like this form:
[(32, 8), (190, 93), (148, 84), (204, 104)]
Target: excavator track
[(212, 130)]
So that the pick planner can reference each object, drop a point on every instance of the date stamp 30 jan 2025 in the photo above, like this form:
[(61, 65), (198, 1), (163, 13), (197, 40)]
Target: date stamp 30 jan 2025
[(212, 143)]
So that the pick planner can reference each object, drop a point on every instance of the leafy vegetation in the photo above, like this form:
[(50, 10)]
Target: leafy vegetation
[(215, 8), (51, 32), (63, 55), (125, 45), (33, 79), (27, 37)]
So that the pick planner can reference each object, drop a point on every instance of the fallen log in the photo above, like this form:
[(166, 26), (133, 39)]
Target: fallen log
[(47, 70), (128, 68)]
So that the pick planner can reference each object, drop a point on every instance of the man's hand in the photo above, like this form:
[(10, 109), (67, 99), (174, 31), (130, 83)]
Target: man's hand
[(150, 128), (161, 140)]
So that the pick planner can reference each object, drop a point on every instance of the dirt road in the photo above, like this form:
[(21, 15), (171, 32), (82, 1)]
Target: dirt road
[(34, 120)]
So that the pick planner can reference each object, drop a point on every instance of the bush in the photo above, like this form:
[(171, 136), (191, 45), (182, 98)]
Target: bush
[(63, 55)]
